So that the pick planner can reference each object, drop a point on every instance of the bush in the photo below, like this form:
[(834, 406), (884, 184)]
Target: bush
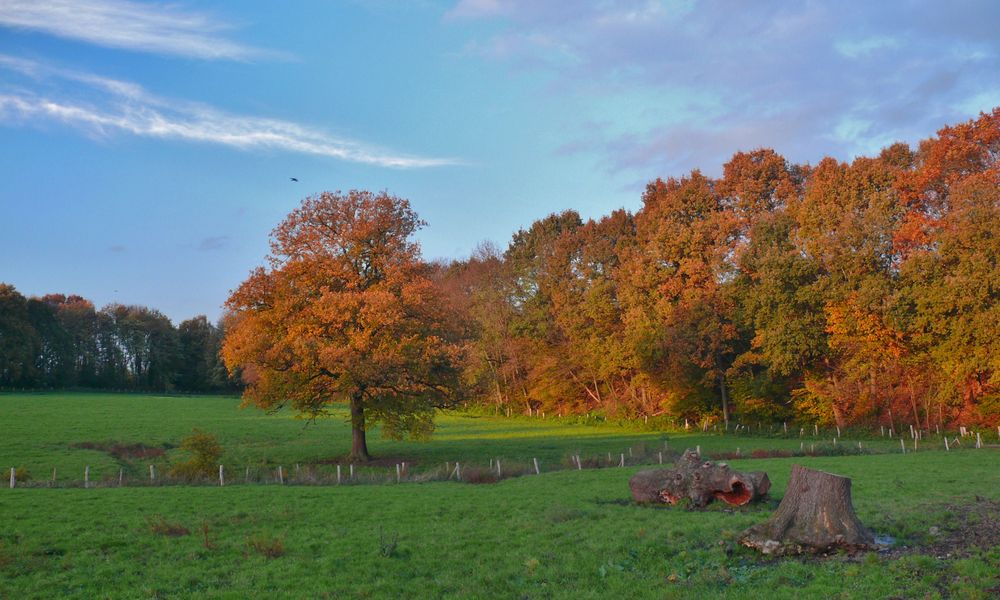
[(387, 544), (205, 452)]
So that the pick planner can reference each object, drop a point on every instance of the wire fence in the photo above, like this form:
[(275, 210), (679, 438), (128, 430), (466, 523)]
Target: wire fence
[(497, 469)]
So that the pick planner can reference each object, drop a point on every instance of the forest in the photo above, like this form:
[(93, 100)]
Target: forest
[(859, 293), (63, 342)]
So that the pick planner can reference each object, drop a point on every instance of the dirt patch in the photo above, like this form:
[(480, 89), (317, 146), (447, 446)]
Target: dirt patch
[(160, 526), (971, 525), (123, 451)]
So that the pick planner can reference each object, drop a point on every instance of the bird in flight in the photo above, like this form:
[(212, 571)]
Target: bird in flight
[(294, 179)]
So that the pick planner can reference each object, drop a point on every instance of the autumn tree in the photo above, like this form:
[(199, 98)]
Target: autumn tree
[(346, 311), (680, 314)]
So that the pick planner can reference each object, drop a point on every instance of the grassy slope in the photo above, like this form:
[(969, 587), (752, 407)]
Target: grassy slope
[(560, 535)]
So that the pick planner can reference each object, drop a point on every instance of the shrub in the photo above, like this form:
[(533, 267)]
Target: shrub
[(387, 544), (205, 452)]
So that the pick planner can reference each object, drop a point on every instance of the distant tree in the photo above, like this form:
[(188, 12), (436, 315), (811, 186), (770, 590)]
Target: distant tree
[(145, 343), (53, 350), (195, 339), (18, 338), (346, 310)]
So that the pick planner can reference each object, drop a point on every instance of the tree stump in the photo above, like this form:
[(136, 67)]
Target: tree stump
[(816, 516), (700, 481)]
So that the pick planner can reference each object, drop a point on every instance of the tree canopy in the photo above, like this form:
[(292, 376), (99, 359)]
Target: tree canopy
[(346, 310)]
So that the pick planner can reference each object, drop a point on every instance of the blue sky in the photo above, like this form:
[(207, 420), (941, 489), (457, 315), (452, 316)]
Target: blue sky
[(147, 147)]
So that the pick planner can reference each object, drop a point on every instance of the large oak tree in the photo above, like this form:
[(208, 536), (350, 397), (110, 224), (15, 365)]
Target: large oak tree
[(346, 310)]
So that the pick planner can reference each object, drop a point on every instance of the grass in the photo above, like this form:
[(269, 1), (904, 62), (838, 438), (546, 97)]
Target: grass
[(565, 534), (112, 432)]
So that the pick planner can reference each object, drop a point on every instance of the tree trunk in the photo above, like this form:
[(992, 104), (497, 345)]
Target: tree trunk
[(725, 400), (699, 481), (359, 445), (816, 515)]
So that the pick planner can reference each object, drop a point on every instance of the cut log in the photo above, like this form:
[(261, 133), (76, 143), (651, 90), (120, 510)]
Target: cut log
[(699, 481), (815, 516)]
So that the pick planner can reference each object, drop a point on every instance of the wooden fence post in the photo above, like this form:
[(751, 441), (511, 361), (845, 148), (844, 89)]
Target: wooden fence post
[(902, 445), (622, 463), (121, 476), (152, 473), (537, 470), (338, 474), (352, 471), (281, 476), (222, 477), (13, 477), (397, 473), (86, 476), (947, 449), (661, 457), (498, 469)]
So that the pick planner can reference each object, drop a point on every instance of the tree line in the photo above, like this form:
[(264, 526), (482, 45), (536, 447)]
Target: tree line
[(849, 293), (60, 341)]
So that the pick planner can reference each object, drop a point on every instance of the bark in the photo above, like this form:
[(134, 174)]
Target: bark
[(699, 481), (359, 445), (815, 516)]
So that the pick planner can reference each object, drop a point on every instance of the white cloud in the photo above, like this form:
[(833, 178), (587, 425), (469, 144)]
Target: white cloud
[(105, 106), (154, 28)]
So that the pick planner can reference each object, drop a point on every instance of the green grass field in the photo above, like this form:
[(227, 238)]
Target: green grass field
[(563, 534)]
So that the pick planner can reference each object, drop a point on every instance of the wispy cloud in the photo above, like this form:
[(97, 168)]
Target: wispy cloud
[(154, 28), (103, 106)]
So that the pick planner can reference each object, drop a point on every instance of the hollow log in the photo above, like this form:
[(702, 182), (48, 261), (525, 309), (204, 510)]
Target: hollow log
[(699, 481), (815, 516)]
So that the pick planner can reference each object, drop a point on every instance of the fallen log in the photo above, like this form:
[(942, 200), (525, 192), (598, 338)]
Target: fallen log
[(815, 516), (699, 481)]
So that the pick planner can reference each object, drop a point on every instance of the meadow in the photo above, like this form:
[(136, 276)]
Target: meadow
[(566, 533)]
